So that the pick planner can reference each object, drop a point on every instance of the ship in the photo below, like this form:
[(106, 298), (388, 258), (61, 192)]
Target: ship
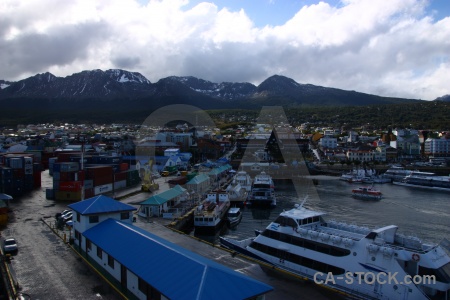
[(237, 194), (427, 180), (396, 173), (263, 191), (210, 214), (243, 179), (367, 193), (378, 263)]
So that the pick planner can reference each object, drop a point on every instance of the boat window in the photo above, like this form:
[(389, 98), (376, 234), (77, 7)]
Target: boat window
[(372, 235), (283, 221), (297, 259), (305, 243), (291, 223), (442, 274)]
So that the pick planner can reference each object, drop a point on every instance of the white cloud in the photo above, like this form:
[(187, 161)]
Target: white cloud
[(364, 45)]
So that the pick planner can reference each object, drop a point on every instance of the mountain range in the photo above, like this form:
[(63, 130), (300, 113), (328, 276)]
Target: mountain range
[(96, 94)]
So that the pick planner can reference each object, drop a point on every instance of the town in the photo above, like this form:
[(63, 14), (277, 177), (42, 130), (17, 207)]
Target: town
[(175, 173)]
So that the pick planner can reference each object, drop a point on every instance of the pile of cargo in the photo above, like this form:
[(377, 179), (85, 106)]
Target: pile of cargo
[(19, 174), (75, 178)]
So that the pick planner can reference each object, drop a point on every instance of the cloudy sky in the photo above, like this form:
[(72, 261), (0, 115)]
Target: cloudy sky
[(397, 48)]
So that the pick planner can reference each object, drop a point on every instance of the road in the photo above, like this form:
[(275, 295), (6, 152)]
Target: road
[(45, 267)]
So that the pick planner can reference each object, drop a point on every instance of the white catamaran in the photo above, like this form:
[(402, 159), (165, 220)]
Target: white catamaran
[(367, 263)]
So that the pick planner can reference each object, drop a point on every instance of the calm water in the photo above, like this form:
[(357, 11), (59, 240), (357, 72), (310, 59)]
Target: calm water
[(419, 212)]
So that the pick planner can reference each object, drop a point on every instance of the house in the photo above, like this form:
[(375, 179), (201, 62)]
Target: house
[(199, 184), (145, 266), (163, 202)]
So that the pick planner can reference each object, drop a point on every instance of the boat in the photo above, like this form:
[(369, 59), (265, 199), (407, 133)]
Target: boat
[(349, 259), (210, 214), (427, 180), (234, 216), (236, 193), (263, 191), (381, 179), (243, 179), (367, 193), (396, 173)]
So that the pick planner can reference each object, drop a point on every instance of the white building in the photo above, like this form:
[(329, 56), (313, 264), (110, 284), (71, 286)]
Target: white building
[(145, 266), (328, 142), (437, 147)]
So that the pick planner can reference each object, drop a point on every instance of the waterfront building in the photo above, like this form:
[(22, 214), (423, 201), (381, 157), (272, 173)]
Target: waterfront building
[(144, 266), (437, 147)]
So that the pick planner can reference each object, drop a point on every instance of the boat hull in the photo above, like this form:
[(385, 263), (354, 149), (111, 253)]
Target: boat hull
[(447, 189), (240, 247)]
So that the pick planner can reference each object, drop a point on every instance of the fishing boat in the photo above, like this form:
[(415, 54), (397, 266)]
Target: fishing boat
[(426, 180), (367, 193), (234, 216), (210, 215), (263, 191), (243, 179), (351, 259)]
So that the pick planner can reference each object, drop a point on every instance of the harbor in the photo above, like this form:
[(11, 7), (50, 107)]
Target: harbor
[(402, 206)]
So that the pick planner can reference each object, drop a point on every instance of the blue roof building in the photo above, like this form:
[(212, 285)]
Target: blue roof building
[(157, 266), (148, 266)]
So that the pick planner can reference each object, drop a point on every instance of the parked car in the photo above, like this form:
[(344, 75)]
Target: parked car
[(10, 245), (67, 217)]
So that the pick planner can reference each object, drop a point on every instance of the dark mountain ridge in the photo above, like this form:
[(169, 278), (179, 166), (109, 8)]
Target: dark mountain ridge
[(116, 93)]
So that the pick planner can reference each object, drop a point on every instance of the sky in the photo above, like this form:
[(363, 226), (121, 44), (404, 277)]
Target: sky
[(395, 48)]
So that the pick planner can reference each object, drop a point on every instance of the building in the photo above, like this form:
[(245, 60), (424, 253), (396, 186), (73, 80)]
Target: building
[(144, 266), (200, 184), (407, 145), (328, 142), (437, 147), (163, 202)]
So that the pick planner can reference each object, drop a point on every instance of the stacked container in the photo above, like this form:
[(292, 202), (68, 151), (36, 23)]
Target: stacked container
[(17, 174), (67, 181), (101, 174)]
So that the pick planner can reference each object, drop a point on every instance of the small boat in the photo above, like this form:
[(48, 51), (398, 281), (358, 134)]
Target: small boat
[(209, 215), (263, 191), (367, 193), (234, 216)]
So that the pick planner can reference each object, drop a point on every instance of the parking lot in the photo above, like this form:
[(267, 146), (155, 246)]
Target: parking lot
[(45, 267)]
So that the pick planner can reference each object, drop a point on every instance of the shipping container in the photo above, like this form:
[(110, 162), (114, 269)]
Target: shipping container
[(124, 167), (178, 180), (50, 194), (88, 184), (70, 186), (55, 184), (16, 162), (37, 179), (103, 189), (37, 167), (89, 193), (120, 176), (120, 184), (36, 155), (66, 167), (65, 156), (7, 173), (100, 174), (68, 176), (67, 196), (28, 183)]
